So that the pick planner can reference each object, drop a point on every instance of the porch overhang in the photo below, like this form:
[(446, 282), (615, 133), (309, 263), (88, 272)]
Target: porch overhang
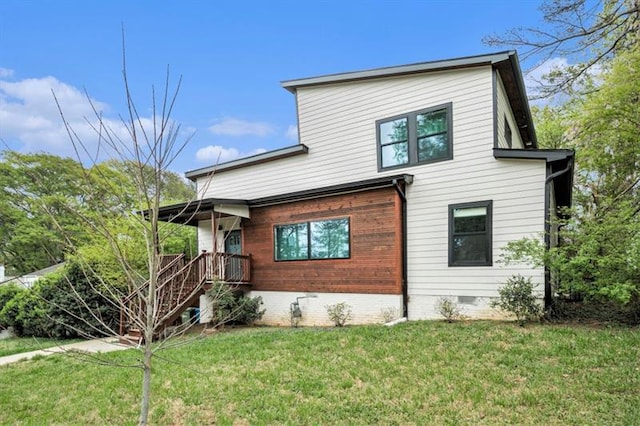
[(191, 212)]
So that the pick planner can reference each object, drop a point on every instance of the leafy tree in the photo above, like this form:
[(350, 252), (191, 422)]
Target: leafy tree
[(589, 33), (40, 192), (33, 189), (600, 252)]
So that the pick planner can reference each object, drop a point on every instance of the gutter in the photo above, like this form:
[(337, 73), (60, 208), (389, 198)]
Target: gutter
[(405, 263), (548, 299)]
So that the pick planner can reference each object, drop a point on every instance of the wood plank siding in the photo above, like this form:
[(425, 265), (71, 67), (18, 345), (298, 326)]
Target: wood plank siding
[(375, 263)]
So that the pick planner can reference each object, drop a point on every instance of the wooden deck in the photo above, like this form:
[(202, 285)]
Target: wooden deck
[(179, 284)]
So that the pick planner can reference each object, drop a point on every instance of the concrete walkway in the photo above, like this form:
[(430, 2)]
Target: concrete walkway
[(107, 344)]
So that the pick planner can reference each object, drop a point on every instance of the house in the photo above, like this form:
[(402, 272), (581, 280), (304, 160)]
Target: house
[(405, 186), (27, 280)]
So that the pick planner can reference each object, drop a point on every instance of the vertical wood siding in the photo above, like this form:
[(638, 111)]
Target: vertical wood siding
[(373, 266)]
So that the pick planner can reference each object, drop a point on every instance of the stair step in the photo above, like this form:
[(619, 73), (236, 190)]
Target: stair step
[(130, 340), (134, 332)]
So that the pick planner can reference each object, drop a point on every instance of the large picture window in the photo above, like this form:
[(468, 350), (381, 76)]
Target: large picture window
[(415, 138), (322, 239), (470, 234)]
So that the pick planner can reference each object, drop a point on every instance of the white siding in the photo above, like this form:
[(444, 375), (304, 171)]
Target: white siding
[(504, 110), (516, 188), (205, 239), (337, 123)]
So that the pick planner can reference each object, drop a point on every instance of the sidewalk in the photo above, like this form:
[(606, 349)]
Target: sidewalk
[(107, 344)]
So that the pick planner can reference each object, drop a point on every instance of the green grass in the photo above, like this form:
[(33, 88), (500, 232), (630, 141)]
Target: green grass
[(16, 345), (414, 373)]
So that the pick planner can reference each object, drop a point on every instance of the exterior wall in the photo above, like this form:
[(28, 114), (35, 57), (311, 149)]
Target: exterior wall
[(366, 308), (504, 109), (375, 263), (516, 188), (337, 123), (205, 238)]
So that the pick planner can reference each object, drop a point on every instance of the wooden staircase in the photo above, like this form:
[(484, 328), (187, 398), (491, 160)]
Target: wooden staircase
[(179, 286)]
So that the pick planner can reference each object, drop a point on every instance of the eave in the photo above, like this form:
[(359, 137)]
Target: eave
[(276, 154), (190, 213), (327, 191)]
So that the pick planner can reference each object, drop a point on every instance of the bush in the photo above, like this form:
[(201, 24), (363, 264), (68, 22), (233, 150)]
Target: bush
[(25, 313), (77, 305), (516, 297), (339, 313), (7, 292), (448, 309), (389, 314), (229, 307)]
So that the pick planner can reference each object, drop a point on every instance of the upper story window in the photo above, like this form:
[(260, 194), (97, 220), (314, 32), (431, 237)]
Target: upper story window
[(417, 137), (322, 239), (508, 136)]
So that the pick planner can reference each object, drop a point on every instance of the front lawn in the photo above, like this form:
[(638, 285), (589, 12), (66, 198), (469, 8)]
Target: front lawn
[(414, 373), (16, 345)]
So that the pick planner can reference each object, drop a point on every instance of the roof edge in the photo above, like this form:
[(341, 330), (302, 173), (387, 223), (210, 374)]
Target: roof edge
[(380, 182), (264, 157), (548, 155), (462, 62)]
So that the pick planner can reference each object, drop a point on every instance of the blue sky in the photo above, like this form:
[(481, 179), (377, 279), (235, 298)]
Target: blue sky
[(232, 57)]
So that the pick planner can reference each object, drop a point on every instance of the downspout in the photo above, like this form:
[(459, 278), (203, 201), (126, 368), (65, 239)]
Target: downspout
[(405, 263), (547, 230)]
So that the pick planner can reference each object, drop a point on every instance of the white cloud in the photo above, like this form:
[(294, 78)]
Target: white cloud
[(236, 127), (534, 78), (292, 132), (219, 154), (6, 72), (29, 114), (31, 121)]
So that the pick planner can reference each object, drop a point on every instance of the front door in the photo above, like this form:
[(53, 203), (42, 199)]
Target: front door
[(233, 245)]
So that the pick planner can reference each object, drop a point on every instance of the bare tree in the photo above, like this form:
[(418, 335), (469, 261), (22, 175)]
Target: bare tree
[(580, 30), (147, 301)]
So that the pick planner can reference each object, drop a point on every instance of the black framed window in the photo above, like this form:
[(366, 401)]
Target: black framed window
[(470, 234), (417, 137), (508, 136), (321, 239)]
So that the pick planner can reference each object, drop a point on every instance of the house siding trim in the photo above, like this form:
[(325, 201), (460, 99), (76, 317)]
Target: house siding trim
[(442, 65), (327, 191), (276, 154)]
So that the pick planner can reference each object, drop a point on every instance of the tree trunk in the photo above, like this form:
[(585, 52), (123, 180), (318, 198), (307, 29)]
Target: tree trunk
[(146, 386)]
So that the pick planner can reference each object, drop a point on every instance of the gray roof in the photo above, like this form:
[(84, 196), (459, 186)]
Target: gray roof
[(420, 67), (264, 157)]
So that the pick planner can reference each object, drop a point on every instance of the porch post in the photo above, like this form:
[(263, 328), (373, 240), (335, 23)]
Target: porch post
[(214, 232)]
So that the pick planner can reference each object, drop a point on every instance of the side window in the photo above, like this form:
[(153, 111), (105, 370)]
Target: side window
[(470, 234), (414, 138), (507, 133)]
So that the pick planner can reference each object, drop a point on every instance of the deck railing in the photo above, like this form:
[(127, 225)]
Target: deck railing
[(178, 282)]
